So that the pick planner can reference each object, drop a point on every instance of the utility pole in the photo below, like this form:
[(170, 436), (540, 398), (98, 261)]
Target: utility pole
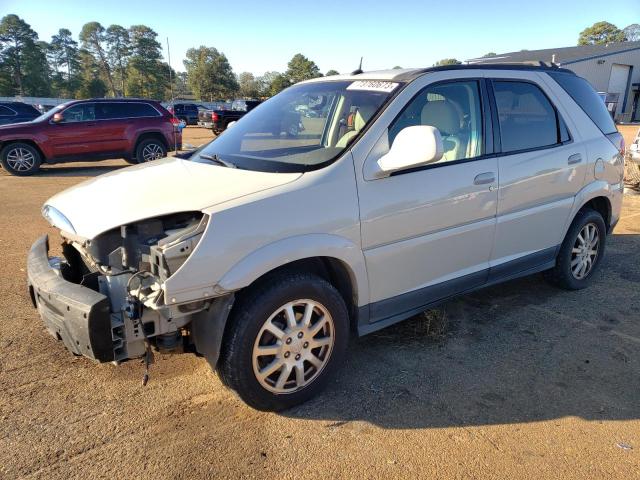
[(173, 108)]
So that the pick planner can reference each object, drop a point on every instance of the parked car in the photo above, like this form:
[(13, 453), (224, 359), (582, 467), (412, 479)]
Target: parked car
[(412, 187), (220, 119), (187, 112), (137, 130), (204, 117), (17, 112)]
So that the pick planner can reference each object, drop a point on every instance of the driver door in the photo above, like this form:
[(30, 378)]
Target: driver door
[(428, 232), (74, 135)]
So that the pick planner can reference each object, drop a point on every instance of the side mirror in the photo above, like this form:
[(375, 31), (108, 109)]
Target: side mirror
[(57, 118), (413, 147)]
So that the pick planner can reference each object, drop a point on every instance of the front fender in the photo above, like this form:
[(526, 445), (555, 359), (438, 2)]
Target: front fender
[(290, 249)]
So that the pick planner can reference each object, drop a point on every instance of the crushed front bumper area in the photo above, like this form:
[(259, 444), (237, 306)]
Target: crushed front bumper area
[(73, 313)]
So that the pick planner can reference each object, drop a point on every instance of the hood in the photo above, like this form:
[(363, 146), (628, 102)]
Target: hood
[(19, 127), (162, 187)]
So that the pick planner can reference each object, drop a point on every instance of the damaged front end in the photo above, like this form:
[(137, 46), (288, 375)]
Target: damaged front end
[(105, 298)]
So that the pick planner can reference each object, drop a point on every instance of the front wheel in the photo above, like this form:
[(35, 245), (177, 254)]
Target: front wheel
[(285, 339), (581, 251), (149, 150), (20, 159)]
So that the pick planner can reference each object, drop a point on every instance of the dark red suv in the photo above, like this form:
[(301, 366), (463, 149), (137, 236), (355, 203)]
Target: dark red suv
[(137, 130)]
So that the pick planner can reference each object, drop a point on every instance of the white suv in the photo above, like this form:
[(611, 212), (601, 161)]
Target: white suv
[(265, 250)]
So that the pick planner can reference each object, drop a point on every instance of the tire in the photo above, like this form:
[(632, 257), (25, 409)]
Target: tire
[(150, 149), (265, 304), (20, 159), (572, 249)]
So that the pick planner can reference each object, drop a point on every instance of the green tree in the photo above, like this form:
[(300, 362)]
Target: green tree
[(447, 61), (23, 60), (210, 74), (118, 51), (601, 33), (278, 83), (91, 83), (490, 54), (93, 38), (331, 73), (397, 67), (147, 74), (632, 32), (63, 55), (300, 68), (249, 86)]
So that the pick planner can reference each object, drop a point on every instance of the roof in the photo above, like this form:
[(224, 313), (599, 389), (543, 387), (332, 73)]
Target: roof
[(562, 55), (409, 74)]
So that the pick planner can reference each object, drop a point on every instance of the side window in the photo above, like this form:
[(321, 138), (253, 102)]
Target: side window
[(526, 116), (118, 110), (585, 96), (6, 112), (83, 112), (454, 108)]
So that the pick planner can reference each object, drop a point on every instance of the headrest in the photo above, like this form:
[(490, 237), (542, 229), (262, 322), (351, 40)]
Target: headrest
[(442, 115), (362, 116)]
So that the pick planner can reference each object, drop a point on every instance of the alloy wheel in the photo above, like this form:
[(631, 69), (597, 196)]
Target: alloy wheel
[(585, 251), (20, 159), (293, 346), (153, 151)]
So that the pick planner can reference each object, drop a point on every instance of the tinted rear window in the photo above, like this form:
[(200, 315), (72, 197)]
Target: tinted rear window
[(527, 118), (126, 110), (585, 96)]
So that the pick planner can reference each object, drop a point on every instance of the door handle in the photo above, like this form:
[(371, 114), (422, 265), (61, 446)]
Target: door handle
[(484, 178), (92, 124), (575, 158)]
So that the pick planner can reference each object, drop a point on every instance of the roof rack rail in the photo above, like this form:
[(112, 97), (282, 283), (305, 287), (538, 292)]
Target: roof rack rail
[(531, 66)]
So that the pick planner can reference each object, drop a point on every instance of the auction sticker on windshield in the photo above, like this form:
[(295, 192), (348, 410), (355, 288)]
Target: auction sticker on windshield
[(373, 86)]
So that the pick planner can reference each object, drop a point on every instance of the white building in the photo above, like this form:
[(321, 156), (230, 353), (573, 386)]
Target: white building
[(613, 69)]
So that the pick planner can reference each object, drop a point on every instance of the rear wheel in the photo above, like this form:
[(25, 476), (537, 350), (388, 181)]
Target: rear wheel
[(285, 339), (149, 150), (581, 251), (20, 159)]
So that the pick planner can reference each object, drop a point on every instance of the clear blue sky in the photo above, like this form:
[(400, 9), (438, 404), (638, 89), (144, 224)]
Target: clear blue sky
[(262, 35)]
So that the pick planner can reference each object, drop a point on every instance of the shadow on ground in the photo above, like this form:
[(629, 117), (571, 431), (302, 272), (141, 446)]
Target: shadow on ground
[(519, 352), (70, 170)]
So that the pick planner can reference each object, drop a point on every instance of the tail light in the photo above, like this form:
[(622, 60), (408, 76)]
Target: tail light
[(175, 121), (214, 117)]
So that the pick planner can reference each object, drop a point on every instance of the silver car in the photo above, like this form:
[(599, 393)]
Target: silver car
[(264, 252)]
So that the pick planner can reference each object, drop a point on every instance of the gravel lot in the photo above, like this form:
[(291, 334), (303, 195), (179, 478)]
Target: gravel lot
[(516, 381)]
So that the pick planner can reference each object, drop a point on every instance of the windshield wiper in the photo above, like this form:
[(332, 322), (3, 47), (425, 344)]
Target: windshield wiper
[(218, 160)]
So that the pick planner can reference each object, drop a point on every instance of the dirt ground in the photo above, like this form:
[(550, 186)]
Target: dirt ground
[(524, 381)]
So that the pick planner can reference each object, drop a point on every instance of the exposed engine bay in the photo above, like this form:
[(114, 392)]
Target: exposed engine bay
[(129, 265)]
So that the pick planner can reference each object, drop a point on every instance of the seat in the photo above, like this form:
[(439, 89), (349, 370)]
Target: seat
[(360, 119), (443, 115)]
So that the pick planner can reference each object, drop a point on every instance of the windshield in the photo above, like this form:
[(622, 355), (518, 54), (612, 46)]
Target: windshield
[(300, 129)]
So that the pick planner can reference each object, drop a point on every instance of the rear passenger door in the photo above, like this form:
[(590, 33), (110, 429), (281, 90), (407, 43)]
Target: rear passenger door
[(541, 168)]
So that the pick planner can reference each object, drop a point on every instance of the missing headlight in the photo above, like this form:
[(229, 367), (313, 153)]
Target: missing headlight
[(171, 251)]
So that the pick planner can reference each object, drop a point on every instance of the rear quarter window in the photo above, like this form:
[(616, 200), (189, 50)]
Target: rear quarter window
[(586, 97)]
